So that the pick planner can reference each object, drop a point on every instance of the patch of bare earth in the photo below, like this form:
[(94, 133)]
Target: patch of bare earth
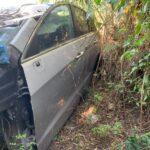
[(77, 133)]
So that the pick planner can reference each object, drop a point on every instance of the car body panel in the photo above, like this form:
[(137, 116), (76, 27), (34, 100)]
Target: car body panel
[(68, 71)]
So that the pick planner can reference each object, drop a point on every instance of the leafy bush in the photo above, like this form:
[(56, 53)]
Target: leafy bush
[(102, 130), (15, 144), (98, 97), (117, 127), (105, 130), (136, 142)]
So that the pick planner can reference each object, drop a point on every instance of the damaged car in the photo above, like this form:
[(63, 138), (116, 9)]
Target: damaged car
[(46, 62)]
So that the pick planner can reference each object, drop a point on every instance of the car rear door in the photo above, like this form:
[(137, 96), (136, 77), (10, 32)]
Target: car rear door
[(88, 41), (51, 64)]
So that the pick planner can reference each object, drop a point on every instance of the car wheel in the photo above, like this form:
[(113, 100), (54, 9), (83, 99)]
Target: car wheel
[(16, 129)]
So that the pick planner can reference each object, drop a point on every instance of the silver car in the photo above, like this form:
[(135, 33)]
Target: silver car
[(46, 62)]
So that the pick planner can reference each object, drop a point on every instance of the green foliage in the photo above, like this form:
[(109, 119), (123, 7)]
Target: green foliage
[(137, 142), (97, 97), (111, 85), (121, 4), (135, 62), (117, 127), (106, 130), (143, 63), (128, 55), (98, 2), (138, 28), (102, 130), (15, 144), (116, 85), (139, 75)]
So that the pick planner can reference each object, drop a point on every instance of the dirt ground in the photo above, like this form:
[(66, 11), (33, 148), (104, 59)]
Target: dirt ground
[(77, 133)]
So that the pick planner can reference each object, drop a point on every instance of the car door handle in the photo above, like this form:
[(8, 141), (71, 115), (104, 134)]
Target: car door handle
[(79, 55), (37, 64)]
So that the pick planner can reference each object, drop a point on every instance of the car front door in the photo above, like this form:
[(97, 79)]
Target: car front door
[(51, 63)]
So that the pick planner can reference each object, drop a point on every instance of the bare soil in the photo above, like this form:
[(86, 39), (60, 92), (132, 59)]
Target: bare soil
[(77, 134)]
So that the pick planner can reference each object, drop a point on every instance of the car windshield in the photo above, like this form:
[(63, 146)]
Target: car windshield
[(7, 34)]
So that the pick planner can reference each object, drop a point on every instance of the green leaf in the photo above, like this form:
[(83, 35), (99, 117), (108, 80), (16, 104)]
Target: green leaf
[(129, 41), (146, 6), (121, 4), (146, 79), (98, 2), (144, 1), (126, 43), (117, 128), (128, 55), (138, 43), (133, 70), (138, 28), (145, 98), (97, 97), (142, 64), (132, 144)]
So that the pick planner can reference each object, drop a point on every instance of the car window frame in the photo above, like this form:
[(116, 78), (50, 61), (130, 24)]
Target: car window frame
[(74, 19), (39, 23)]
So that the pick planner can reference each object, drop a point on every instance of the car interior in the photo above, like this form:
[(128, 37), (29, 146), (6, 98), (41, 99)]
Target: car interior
[(55, 29)]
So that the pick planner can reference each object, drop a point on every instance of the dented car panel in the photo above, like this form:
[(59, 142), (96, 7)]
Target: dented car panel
[(55, 62)]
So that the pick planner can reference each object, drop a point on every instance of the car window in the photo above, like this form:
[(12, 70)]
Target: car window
[(80, 21), (7, 34), (91, 24), (56, 29)]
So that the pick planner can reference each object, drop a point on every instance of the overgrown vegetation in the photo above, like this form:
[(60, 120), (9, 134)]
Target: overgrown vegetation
[(130, 36), (22, 137), (105, 130), (136, 142)]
